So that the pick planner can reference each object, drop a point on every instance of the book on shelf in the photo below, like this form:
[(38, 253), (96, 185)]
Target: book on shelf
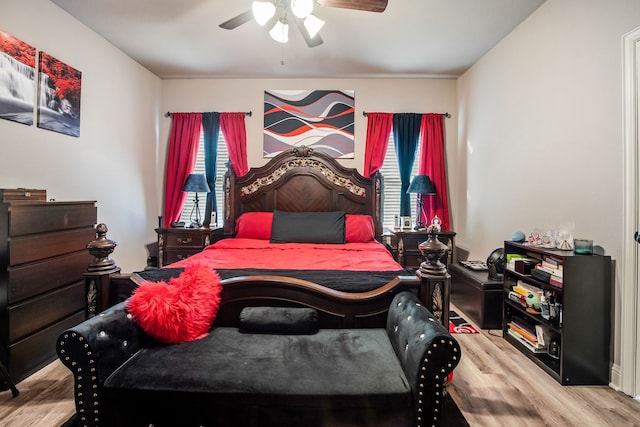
[(534, 255), (552, 260), (555, 280), (541, 274), (544, 334), (518, 298), (521, 284), (520, 290), (523, 324), (550, 269), (535, 348), (529, 335)]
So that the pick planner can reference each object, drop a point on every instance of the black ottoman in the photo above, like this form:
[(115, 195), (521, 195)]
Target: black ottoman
[(479, 297)]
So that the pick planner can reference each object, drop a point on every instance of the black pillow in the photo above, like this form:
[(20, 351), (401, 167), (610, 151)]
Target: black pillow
[(279, 320), (308, 227)]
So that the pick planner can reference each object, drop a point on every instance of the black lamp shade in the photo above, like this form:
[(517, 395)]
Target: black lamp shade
[(421, 184), (196, 184)]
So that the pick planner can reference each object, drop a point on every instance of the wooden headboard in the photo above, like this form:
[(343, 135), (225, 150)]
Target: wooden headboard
[(302, 180)]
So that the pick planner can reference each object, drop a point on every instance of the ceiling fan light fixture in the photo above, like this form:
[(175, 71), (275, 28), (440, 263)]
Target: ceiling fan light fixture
[(302, 8), (263, 11), (313, 25), (280, 32)]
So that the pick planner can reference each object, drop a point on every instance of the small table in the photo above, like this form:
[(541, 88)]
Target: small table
[(403, 244), (176, 244)]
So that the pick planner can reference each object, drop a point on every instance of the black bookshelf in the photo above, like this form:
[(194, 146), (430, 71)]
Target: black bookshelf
[(583, 329)]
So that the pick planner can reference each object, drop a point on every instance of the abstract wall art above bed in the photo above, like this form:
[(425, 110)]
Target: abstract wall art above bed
[(320, 119)]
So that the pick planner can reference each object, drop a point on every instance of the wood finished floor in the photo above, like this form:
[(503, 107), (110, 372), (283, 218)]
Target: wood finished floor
[(494, 385)]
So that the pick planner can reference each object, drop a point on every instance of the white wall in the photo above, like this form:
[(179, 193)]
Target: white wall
[(385, 95), (376, 95), (114, 159), (540, 130)]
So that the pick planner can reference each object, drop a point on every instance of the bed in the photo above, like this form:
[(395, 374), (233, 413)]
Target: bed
[(279, 225)]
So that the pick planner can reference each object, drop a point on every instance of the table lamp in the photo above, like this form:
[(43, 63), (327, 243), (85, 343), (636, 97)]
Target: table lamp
[(196, 183), (421, 184)]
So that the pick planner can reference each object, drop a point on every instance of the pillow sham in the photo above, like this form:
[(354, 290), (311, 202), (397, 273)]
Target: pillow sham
[(254, 225), (308, 227), (181, 310), (359, 228)]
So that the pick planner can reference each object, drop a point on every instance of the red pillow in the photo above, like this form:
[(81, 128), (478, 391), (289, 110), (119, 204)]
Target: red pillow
[(180, 311), (254, 225), (359, 228)]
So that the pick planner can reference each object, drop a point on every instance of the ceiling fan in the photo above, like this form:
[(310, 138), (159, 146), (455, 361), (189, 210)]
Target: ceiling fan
[(284, 12)]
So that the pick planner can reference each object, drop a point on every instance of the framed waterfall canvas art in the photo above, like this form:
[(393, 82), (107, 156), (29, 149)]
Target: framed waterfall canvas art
[(320, 119), (17, 79), (58, 96)]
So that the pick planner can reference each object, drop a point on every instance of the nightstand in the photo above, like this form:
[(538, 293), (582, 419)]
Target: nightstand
[(175, 244), (403, 244)]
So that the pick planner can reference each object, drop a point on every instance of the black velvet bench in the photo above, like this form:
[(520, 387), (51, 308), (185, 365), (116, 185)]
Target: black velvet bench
[(392, 375), (478, 296)]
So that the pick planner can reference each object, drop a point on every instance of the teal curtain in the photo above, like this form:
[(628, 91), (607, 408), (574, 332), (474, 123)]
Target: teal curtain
[(406, 133), (211, 131)]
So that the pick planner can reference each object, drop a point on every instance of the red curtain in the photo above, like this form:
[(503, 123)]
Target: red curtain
[(378, 130), (432, 163), (183, 149), (235, 135)]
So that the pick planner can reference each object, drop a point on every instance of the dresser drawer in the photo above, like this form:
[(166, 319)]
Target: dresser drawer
[(411, 242), (184, 240), (35, 351), (33, 217), (36, 278), (175, 255), (413, 260), (34, 248), (37, 313)]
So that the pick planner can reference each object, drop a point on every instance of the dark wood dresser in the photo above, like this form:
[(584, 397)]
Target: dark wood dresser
[(42, 260)]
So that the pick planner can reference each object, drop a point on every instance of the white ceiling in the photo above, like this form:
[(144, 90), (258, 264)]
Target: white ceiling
[(411, 38)]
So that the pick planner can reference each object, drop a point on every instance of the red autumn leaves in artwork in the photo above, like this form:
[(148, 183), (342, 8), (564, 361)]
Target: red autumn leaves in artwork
[(18, 49), (65, 79)]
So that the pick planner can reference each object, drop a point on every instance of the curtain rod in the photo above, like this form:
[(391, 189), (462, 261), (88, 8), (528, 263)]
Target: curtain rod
[(447, 115), (247, 113)]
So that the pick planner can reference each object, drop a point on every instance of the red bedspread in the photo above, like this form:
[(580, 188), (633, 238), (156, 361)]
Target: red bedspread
[(260, 254)]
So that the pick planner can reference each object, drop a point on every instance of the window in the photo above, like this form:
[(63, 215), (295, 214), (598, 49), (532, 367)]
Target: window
[(389, 170), (391, 194), (221, 168)]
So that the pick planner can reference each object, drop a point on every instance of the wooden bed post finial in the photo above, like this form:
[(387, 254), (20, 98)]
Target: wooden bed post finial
[(99, 272), (101, 248)]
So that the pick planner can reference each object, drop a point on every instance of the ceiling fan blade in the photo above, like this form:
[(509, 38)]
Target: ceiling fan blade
[(365, 5), (311, 41), (238, 20)]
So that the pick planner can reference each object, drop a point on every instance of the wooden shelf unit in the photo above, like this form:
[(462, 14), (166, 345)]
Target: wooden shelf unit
[(584, 326)]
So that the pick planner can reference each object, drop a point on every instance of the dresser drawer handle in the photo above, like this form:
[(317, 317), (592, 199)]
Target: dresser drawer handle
[(185, 240)]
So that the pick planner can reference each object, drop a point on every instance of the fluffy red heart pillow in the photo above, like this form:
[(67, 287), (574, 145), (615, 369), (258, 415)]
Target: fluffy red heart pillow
[(180, 311)]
